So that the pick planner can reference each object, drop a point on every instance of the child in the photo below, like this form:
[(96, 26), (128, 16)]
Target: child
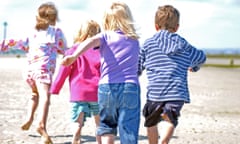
[(166, 56), (83, 75), (41, 50), (118, 91)]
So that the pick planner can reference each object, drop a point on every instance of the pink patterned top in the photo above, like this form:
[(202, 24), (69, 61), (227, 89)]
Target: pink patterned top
[(42, 48)]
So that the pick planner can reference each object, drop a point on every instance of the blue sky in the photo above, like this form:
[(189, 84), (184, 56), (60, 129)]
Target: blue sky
[(204, 23)]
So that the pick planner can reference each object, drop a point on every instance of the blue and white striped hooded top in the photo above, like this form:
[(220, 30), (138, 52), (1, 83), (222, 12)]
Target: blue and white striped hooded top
[(167, 57)]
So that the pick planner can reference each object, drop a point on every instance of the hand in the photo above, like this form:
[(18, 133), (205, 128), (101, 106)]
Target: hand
[(194, 69), (68, 60), (190, 69)]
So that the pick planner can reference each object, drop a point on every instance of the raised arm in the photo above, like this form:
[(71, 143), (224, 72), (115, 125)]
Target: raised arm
[(88, 43)]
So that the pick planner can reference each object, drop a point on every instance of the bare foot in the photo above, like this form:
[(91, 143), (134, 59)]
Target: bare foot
[(44, 136), (26, 126), (46, 140), (76, 141)]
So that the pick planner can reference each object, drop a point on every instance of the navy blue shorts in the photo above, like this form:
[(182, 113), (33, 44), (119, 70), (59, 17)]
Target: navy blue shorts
[(152, 112)]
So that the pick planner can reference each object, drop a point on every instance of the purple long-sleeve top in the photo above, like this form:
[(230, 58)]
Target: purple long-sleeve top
[(83, 76)]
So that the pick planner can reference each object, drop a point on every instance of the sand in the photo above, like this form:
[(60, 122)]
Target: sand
[(212, 117)]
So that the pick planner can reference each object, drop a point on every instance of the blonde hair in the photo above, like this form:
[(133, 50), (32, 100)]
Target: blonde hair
[(47, 15), (119, 17), (87, 29), (167, 17)]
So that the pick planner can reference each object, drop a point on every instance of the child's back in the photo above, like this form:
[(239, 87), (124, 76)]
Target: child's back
[(83, 76), (167, 57), (120, 58), (118, 91)]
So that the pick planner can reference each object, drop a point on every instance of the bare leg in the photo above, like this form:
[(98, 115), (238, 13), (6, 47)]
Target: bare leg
[(77, 127), (153, 135), (108, 139), (167, 129), (44, 97), (33, 107), (97, 120)]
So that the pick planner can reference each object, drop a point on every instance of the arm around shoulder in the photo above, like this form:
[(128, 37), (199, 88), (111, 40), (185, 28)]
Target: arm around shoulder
[(84, 46), (87, 44)]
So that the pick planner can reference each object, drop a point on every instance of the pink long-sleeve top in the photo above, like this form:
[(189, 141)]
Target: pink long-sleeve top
[(83, 76)]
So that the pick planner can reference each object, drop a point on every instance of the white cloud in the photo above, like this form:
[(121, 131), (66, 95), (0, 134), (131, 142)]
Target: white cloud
[(215, 25)]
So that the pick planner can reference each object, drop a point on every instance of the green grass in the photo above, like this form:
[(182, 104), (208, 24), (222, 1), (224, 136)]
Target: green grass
[(231, 58), (222, 65), (235, 56)]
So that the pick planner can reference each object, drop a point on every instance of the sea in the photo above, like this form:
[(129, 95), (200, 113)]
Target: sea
[(226, 51)]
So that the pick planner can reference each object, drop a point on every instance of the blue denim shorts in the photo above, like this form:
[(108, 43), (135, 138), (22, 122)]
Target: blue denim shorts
[(119, 106), (89, 109)]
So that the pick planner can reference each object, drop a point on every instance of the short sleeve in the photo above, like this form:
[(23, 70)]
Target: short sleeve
[(60, 41)]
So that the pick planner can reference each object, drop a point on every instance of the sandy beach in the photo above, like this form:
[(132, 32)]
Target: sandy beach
[(212, 117)]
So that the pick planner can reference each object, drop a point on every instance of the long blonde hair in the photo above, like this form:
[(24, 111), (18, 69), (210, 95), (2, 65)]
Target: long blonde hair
[(119, 17), (47, 15), (88, 28)]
